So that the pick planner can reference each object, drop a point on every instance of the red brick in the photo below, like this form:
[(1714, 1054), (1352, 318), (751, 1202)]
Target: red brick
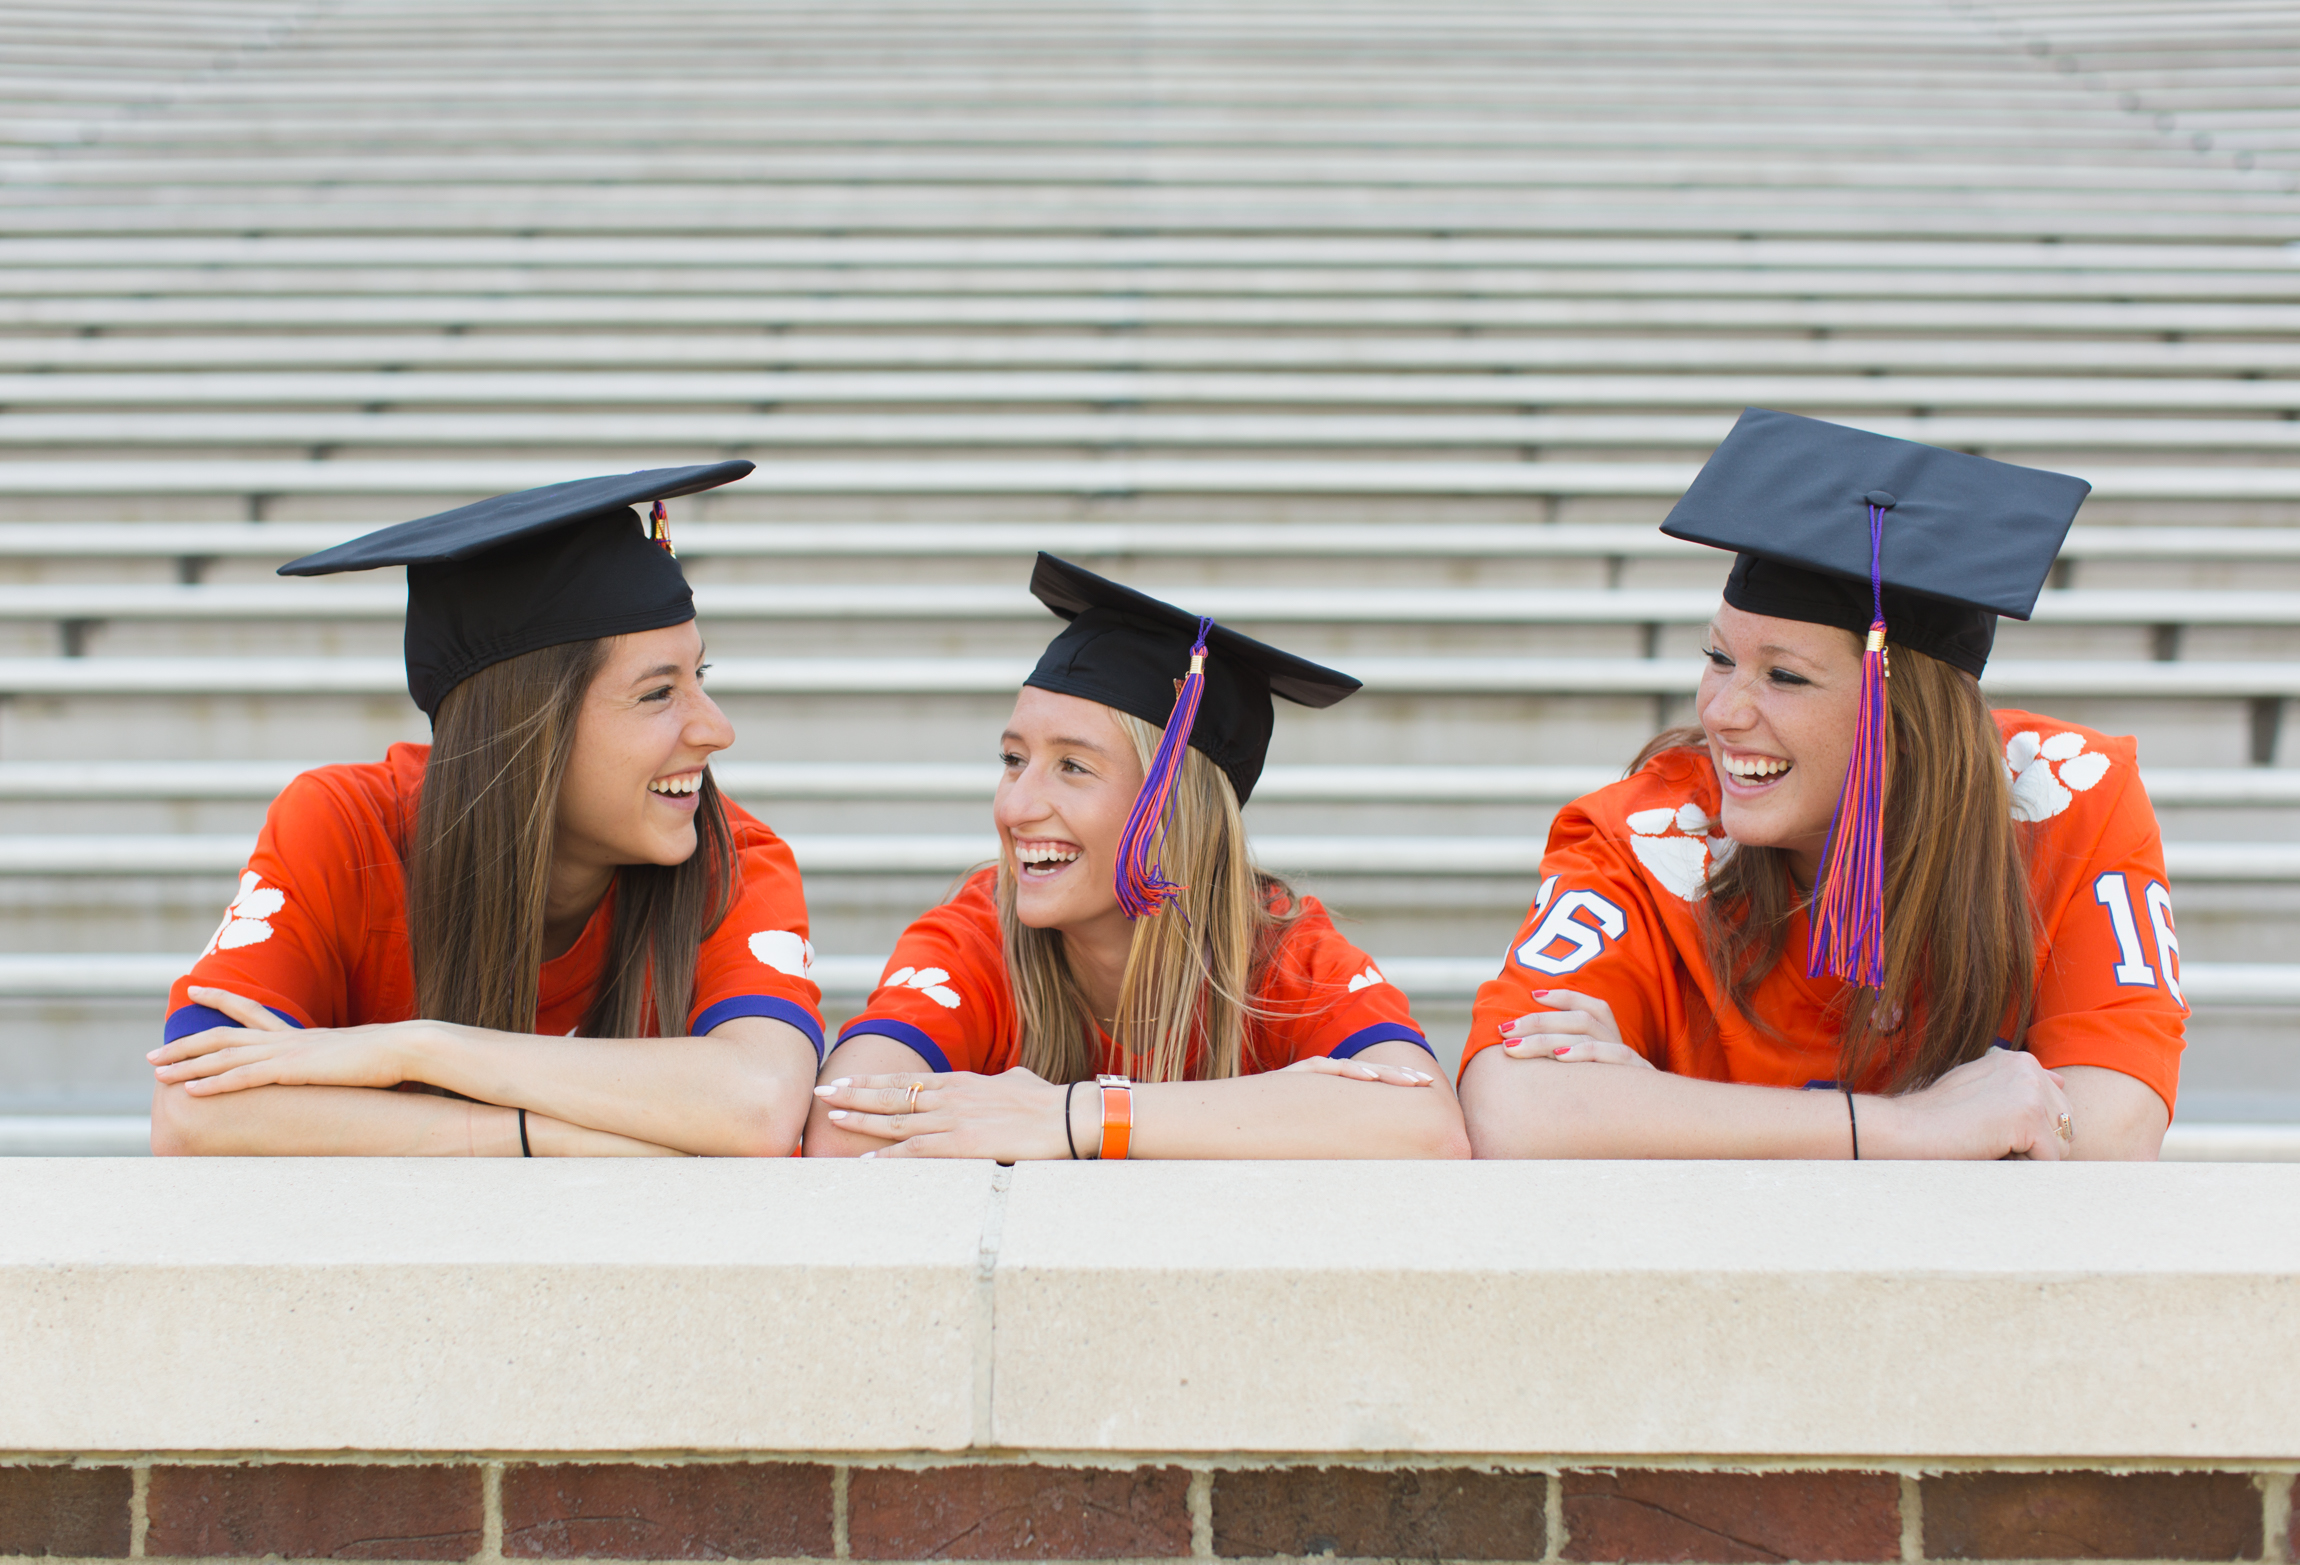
[(79, 1511), (702, 1511), (2084, 1516), (1662, 1515), (315, 1511), (1017, 1513), (1407, 1513)]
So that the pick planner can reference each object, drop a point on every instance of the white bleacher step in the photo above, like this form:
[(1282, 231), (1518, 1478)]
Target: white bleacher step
[(916, 601), (1498, 676), (144, 854), (1294, 352), (147, 975), (283, 541), (1835, 395), (768, 782), (1701, 264), (129, 1135), (692, 431), (183, 300), (1002, 476)]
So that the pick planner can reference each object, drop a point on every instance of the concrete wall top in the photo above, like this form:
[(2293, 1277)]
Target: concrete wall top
[(1791, 1311)]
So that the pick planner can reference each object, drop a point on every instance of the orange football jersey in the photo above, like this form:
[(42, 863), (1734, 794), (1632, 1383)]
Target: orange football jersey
[(1624, 870), (945, 994), (318, 932)]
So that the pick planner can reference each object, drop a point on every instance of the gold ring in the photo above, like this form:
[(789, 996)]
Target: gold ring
[(910, 1106), (2065, 1128)]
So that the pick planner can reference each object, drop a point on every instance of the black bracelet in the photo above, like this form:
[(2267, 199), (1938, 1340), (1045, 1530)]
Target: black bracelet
[(524, 1149), (1853, 1120), (1068, 1134)]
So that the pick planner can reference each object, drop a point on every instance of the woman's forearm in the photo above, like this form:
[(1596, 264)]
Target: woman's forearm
[(742, 1091), (1289, 1114), (1541, 1108), (364, 1122), (328, 1122)]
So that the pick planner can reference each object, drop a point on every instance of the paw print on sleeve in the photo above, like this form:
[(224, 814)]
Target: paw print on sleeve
[(2048, 774), (1367, 979), (932, 982), (784, 950), (1676, 849), (247, 920)]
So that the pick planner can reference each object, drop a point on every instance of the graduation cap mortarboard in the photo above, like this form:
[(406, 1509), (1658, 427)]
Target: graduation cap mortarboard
[(1837, 526), (540, 568), (1126, 649)]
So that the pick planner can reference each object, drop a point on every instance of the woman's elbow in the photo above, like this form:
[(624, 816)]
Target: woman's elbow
[(182, 1125)]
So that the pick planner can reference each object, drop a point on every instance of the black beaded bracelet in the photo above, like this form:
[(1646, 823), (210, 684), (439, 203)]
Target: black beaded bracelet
[(1853, 1120), (524, 1149), (1068, 1134)]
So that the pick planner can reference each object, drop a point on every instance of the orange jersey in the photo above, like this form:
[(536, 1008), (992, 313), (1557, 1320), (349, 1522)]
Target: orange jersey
[(318, 932), (1624, 870), (945, 994)]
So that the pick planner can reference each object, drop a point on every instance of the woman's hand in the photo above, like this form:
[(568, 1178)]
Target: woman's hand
[(1581, 1028), (1008, 1117), (263, 1051), (1364, 1070), (2003, 1104)]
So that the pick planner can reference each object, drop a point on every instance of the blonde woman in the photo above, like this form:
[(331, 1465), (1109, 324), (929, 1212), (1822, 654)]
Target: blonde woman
[(1124, 983)]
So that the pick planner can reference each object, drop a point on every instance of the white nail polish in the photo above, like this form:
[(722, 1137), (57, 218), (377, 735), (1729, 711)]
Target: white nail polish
[(838, 1114)]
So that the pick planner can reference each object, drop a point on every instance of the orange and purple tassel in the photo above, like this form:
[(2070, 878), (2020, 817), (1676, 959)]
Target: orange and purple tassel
[(659, 528), (1849, 904), (1142, 886)]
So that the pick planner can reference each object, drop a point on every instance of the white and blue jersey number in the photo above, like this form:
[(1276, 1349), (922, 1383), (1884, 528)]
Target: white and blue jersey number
[(2113, 891), (1574, 930)]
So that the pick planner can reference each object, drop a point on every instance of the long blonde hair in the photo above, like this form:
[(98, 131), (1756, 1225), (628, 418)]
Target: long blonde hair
[(1191, 970), (1960, 930), (479, 863)]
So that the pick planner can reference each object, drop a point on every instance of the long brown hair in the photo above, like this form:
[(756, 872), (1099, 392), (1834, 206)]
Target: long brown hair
[(1191, 970), (1960, 931), (479, 863)]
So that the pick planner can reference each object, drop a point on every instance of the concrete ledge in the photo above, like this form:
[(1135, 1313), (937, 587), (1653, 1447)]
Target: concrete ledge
[(1750, 1313)]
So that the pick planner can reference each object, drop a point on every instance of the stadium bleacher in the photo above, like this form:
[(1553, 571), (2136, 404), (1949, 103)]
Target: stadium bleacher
[(1390, 329)]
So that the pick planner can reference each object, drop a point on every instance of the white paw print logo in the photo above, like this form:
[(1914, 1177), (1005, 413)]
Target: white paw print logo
[(1367, 979), (2044, 771), (1675, 847), (245, 921), (784, 951), (932, 982)]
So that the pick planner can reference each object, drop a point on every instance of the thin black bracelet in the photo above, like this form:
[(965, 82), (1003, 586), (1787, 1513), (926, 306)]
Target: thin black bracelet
[(524, 1149), (1853, 1120), (1068, 1134)]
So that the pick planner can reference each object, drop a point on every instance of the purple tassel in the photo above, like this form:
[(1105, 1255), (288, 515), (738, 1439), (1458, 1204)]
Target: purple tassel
[(659, 528), (1849, 903), (1142, 886)]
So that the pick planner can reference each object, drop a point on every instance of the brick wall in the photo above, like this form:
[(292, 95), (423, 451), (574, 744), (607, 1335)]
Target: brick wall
[(424, 1508)]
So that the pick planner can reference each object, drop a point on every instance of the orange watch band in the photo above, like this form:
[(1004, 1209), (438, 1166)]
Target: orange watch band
[(1117, 1116)]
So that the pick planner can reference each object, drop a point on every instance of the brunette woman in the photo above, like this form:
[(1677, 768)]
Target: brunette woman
[(1853, 875), (547, 931), (1125, 983)]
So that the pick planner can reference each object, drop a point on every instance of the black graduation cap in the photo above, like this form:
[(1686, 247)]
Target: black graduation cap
[(497, 578), (1126, 649), (1961, 539)]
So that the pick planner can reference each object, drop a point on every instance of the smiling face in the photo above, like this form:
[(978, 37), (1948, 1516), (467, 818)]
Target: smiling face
[(636, 774), (1778, 703), (1070, 778)]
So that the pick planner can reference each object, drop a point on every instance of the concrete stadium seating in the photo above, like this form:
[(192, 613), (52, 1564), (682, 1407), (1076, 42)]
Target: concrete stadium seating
[(1388, 331)]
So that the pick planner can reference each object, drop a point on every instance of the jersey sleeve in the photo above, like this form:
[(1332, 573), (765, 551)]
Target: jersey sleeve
[(1594, 929), (943, 990), (1321, 995), (2108, 986), (758, 961), (288, 938)]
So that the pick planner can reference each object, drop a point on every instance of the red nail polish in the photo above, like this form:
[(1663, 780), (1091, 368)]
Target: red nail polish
[(1562, 1049)]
